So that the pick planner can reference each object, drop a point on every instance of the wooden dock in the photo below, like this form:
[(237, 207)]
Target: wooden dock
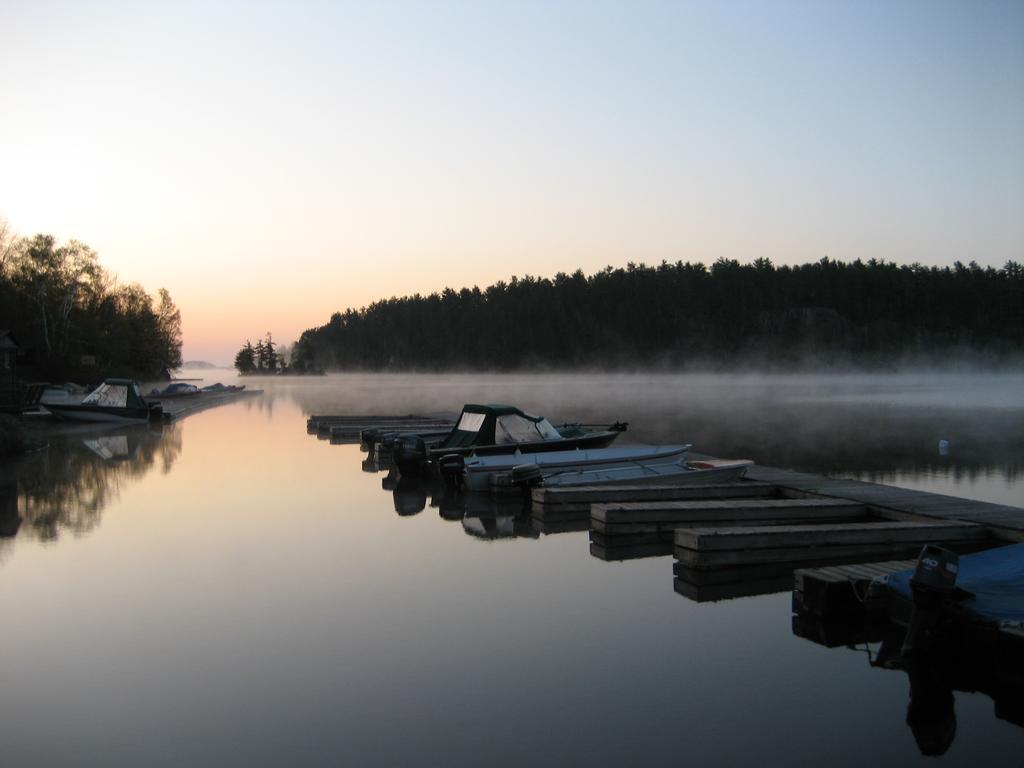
[(852, 606), (1003, 522), (638, 523), (179, 407), (744, 537), (580, 498), (835, 591), (353, 424), (718, 547), (748, 537)]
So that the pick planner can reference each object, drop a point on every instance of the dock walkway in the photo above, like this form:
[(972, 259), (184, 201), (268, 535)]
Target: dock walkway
[(179, 407), (1002, 521), (726, 537)]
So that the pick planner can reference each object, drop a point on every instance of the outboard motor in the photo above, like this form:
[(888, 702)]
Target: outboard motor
[(155, 412), (452, 466), (933, 585), (409, 453)]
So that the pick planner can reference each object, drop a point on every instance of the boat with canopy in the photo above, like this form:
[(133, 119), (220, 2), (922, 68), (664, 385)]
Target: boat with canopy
[(115, 400), (486, 430)]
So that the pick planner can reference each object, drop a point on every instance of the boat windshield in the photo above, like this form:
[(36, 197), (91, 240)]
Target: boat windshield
[(470, 422), (108, 395), (513, 428)]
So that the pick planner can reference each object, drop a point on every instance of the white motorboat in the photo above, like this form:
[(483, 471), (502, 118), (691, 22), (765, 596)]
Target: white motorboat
[(477, 471), (114, 400), (683, 472)]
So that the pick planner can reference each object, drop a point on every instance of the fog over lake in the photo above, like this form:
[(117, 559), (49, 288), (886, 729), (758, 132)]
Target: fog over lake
[(231, 590), (872, 426)]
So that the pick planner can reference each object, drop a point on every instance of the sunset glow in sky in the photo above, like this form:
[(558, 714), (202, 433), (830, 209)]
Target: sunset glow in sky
[(270, 162)]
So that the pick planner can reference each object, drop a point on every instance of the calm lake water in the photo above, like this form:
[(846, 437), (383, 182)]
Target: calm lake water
[(233, 591)]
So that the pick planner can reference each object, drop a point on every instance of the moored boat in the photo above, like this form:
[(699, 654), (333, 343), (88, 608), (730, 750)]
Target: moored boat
[(175, 389), (679, 472), (220, 389), (115, 400), (485, 430), (475, 472)]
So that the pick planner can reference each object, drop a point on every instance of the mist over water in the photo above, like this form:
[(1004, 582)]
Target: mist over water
[(870, 426), (232, 590)]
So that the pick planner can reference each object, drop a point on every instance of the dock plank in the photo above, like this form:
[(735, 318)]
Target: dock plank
[(1004, 521), (589, 494), (718, 519), (799, 554), (838, 590), (812, 536), (178, 408), (350, 431), (747, 509)]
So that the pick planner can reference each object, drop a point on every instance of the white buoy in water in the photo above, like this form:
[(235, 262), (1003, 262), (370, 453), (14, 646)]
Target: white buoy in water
[(943, 447)]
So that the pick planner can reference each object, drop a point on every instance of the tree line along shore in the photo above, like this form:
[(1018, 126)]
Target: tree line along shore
[(870, 314), (72, 320)]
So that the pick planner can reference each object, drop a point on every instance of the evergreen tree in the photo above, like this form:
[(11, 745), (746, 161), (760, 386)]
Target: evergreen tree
[(261, 356), (245, 360), (270, 354)]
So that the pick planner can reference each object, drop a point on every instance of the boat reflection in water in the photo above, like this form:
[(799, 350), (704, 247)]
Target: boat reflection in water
[(110, 447), (955, 660), (482, 516), (410, 496), (66, 487), (487, 518)]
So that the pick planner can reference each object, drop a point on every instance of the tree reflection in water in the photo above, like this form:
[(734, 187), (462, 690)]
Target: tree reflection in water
[(10, 520), (66, 487)]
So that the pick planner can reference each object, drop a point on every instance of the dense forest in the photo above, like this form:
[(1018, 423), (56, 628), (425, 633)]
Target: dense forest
[(731, 315), (73, 321)]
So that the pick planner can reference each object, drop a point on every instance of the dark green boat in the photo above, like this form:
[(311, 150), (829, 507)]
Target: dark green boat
[(495, 429)]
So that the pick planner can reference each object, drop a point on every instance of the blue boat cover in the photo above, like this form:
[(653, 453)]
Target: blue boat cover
[(996, 579)]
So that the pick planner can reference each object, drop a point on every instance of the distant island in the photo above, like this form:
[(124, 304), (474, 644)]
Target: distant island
[(826, 314), (265, 358), (199, 364)]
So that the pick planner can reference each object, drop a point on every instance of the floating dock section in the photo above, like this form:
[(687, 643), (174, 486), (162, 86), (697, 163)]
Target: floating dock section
[(175, 408), (744, 537), (748, 537), (347, 428), (971, 640)]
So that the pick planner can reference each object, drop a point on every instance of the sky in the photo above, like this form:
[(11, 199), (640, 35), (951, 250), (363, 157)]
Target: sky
[(270, 163)]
